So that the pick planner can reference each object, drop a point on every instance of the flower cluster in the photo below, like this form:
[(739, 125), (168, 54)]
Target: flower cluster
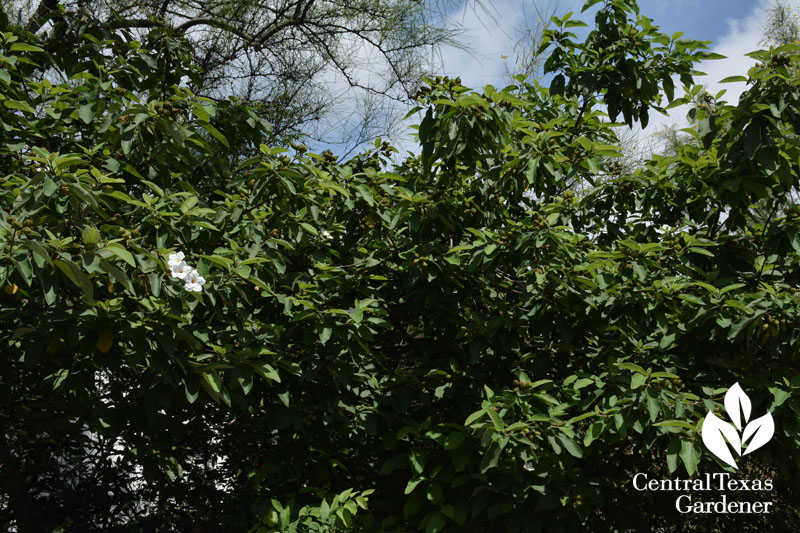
[(180, 269)]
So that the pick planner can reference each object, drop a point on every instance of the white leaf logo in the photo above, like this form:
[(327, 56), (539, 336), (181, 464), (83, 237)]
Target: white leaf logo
[(761, 429), (735, 399), (715, 431), (720, 436)]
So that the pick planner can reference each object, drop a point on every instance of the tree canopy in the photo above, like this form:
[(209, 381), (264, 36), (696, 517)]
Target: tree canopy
[(295, 60), (492, 335)]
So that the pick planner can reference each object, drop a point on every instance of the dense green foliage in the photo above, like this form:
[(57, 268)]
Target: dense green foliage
[(456, 342)]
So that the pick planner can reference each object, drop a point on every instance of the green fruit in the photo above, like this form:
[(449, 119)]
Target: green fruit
[(91, 235)]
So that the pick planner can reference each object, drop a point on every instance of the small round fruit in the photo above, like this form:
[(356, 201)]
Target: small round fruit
[(10, 288)]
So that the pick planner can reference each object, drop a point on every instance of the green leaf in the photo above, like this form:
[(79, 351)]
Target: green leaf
[(708, 55), (585, 143), (244, 271), (214, 381), (25, 47), (85, 113), (557, 85), (214, 132), (222, 262), (491, 457), (673, 451), (653, 405), (284, 398), (155, 188), (571, 447), (780, 395), (731, 287), (155, 283), (366, 194), (733, 79), (588, 4), (701, 251), (21, 106), (77, 276), (436, 522), (325, 334), (751, 139), (666, 341), (632, 366), (593, 432), (474, 416), (453, 440), (309, 228), (127, 135), (25, 269), (637, 380), (497, 421), (49, 186), (266, 370), (59, 377), (739, 325), (120, 251), (417, 459), (39, 252), (192, 391), (690, 455), (413, 504)]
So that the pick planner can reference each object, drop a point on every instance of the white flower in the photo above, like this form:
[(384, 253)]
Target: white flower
[(175, 259), (180, 270), (194, 281), (326, 234)]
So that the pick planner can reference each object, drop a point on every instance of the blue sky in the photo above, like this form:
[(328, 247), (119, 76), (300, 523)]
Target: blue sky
[(735, 27), (704, 20), (490, 38)]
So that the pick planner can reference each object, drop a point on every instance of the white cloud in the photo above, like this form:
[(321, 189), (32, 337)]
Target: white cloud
[(489, 37)]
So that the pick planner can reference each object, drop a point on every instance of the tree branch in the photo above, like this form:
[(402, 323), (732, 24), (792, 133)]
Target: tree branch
[(764, 239)]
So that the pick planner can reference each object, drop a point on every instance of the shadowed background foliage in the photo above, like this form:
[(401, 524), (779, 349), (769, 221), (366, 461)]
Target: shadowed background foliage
[(493, 335)]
